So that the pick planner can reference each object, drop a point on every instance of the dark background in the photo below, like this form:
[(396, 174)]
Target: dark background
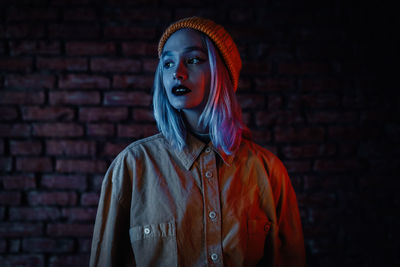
[(318, 88)]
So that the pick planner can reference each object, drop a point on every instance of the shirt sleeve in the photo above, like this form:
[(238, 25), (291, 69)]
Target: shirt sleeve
[(111, 244), (289, 243)]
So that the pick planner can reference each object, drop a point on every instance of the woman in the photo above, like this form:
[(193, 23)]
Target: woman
[(199, 192)]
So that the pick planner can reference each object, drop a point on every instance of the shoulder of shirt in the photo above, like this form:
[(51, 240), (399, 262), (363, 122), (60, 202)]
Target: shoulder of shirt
[(262, 153), (134, 148)]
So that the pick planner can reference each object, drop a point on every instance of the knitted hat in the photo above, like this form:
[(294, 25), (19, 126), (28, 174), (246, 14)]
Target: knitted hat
[(221, 38)]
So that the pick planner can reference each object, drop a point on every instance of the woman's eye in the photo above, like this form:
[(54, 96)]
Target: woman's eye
[(194, 60), (168, 64)]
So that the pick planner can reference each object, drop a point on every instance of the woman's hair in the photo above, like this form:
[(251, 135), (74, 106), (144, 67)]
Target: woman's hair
[(222, 113)]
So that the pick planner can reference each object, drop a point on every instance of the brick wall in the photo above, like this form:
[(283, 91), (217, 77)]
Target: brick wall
[(75, 89)]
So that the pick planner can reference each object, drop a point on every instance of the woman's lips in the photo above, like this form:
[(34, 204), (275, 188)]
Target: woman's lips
[(180, 90)]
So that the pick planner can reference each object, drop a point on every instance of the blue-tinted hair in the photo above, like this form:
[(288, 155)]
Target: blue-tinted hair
[(222, 113)]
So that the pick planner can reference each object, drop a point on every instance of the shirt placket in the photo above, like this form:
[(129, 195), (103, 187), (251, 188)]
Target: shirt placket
[(212, 208)]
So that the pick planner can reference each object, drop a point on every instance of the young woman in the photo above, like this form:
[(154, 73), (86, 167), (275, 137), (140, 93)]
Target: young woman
[(200, 192)]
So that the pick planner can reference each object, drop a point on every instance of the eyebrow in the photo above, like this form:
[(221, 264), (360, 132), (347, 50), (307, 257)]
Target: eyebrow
[(186, 50)]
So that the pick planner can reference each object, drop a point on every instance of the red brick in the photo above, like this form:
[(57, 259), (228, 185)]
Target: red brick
[(127, 99), (150, 65), (34, 48), (15, 130), (331, 117), (317, 200), (1, 147), (241, 15), (261, 137), (23, 260), (139, 49), (35, 164), (90, 48), (313, 84), (136, 130), (111, 149), (304, 68), (52, 198), (256, 68), (5, 164), (90, 199), (20, 229), (66, 147), (143, 115), (32, 14), (60, 64), (48, 245), (328, 183), (15, 64), (10, 198), (34, 214), (132, 81), (79, 214), (80, 81), (244, 84), (344, 133), (85, 245), (3, 243), (96, 182), (72, 230), (142, 14), (100, 129), (56, 181), (103, 114), (47, 113), (275, 102), (337, 165), (314, 101), (79, 260), (8, 114), (2, 48), (81, 166), (9, 97), (278, 117), (57, 129), (297, 165), (74, 98), (25, 148), (30, 81), (26, 31), (115, 65), (79, 14), (274, 84), (308, 150), (251, 101), (304, 134), (19, 182), (129, 32), (70, 31)]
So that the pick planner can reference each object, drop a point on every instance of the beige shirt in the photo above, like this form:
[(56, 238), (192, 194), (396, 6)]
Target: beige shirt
[(196, 207)]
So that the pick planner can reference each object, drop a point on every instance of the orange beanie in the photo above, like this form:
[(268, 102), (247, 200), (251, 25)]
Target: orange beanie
[(221, 38)]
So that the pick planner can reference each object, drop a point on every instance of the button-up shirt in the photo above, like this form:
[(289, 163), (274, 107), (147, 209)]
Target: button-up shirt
[(196, 207)]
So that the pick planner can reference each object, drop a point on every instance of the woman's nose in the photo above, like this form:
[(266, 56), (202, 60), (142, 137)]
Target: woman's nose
[(180, 72)]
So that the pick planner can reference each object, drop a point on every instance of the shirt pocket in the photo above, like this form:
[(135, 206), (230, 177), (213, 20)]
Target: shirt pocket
[(154, 244), (257, 231)]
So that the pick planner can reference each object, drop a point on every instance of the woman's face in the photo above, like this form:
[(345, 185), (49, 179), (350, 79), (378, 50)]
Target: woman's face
[(186, 70)]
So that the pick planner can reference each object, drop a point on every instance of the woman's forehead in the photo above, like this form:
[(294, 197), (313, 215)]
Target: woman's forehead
[(183, 40)]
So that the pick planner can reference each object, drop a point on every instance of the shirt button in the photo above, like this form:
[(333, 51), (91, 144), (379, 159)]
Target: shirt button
[(208, 174), (208, 150), (147, 230), (214, 257), (212, 215)]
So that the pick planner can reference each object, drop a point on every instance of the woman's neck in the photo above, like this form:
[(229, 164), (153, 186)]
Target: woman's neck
[(191, 118)]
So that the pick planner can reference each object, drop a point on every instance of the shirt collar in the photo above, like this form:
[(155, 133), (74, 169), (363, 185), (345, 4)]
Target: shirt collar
[(189, 154)]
